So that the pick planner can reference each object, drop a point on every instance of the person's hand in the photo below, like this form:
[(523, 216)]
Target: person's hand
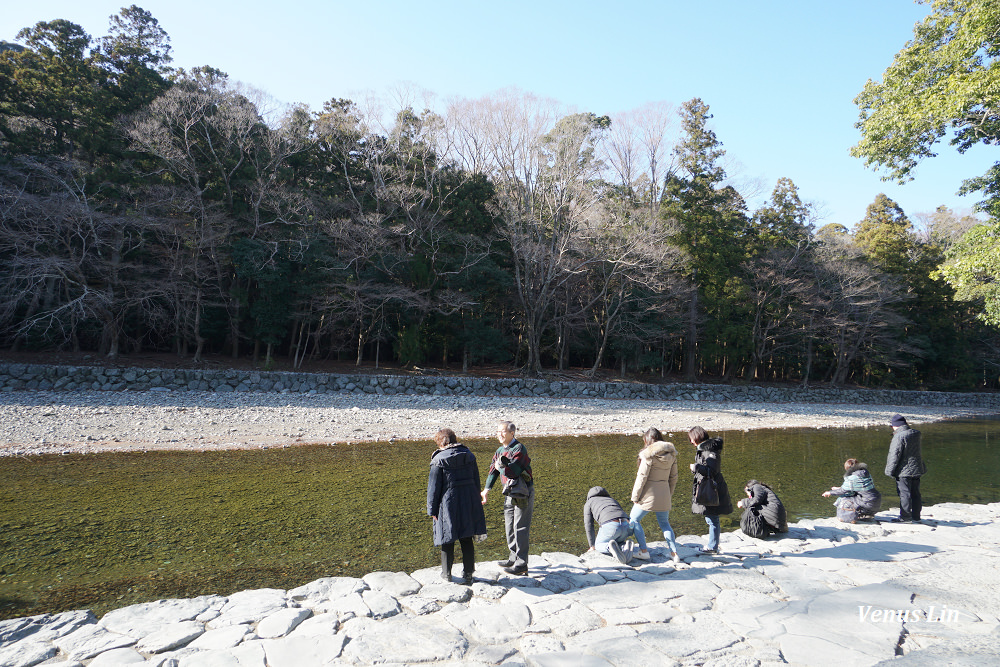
[(434, 517), (692, 467), (483, 495), (826, 494), (739, 503)]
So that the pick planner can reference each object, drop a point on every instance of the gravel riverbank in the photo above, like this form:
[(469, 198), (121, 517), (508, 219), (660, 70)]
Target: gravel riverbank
[(43, 422)]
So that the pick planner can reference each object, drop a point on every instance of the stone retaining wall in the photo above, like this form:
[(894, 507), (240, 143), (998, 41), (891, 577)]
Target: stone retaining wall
[(71, 378)]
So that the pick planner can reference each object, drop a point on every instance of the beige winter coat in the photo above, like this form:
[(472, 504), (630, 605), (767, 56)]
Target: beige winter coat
[(656, 478)]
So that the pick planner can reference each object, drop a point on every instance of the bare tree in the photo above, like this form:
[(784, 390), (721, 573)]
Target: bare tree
[(636, 147), (67, 261), (780, 288), (859, 321), (211, 139), (545, 218), (631, 275)]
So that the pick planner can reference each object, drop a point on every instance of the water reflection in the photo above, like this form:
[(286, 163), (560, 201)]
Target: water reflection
[(103, 531)]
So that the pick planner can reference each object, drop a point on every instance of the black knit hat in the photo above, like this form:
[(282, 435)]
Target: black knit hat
[(897, 420)]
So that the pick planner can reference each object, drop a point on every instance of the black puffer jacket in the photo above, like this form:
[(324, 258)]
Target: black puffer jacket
[(766, 501), (708, 461)]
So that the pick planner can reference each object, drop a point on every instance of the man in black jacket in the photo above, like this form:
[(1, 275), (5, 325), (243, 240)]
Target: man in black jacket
[(906, 465)]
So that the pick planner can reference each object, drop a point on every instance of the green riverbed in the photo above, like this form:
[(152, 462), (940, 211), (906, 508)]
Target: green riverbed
[(107, 530)]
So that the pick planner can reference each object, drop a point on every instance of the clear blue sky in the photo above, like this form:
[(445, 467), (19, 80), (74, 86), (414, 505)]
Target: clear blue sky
[(780, 76)]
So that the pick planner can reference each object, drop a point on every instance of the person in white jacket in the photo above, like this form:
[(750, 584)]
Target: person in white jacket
[(654, 484)]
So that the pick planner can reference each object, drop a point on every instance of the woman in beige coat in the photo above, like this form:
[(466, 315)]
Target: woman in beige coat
[(654, 484)]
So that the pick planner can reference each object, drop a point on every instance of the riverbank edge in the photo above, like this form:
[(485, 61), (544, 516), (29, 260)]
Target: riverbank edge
[(18, 376), (798, 599)]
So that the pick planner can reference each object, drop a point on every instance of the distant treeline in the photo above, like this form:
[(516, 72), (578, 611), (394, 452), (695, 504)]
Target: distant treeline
[(149, 208)]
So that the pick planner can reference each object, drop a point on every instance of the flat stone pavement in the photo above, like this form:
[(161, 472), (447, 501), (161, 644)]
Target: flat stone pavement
[(825, 593)]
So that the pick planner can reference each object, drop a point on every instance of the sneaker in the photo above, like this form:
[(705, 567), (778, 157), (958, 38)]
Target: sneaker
[(467, 578), (519, 571), (641, 555), (615, 550), (706, 550), (675, 557), (505, 563)]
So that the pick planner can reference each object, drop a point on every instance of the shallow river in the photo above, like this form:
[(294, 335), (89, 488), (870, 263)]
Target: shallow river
[(104, 531)]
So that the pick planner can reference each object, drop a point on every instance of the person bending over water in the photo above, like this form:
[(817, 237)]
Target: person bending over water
[(858, 499)]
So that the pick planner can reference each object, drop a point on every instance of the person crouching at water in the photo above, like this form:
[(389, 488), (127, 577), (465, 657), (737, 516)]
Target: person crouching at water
[(655, 481), (763, 511), (454, 504), (707, 467), (858, 499), (614, 527)]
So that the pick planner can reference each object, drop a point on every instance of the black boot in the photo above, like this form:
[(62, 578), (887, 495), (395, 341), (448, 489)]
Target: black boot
[(447, 560)]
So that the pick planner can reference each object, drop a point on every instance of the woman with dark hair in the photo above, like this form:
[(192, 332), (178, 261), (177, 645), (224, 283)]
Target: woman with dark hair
[(857, 496), (655, 481), (454, 503), (707, 469), (763, 511)]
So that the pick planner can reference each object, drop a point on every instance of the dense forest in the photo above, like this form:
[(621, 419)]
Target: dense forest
[(145, 207)]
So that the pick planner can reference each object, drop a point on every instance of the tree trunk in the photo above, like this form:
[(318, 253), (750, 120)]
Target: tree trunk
[(809, 357), (691, 344), (198, 338)]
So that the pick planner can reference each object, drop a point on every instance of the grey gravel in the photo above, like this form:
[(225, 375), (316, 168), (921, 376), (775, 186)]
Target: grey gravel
[(44, 422)]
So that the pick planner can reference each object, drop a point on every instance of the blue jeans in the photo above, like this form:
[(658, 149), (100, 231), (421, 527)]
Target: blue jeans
[(618, 531), (714, 530), (662, 518)]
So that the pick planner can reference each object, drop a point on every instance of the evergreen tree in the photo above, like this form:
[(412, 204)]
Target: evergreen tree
[(709, 224)]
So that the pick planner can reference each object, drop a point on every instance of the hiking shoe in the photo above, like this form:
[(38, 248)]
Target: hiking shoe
[(641, 555), (467, 578), (615, 550), (519, 571), (505, 563)]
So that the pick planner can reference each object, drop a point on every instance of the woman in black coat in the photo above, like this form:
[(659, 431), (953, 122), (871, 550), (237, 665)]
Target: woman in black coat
[(454, 503), (763, 511), (707, 467)]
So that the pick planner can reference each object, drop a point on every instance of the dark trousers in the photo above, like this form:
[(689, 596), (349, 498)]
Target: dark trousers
[(910, 501), (517, 524), (468, 557)]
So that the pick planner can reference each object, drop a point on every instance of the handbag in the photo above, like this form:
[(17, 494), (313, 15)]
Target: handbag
[(706, 492), (516, 487)]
